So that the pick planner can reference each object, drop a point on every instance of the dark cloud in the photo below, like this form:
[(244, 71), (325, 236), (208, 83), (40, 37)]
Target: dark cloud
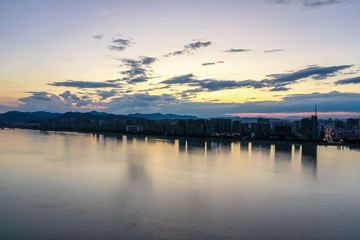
[(106, 94), (237, 50), (274, 50), (138, 70), (208, 85), (148, 60), (41, 96), (140, 102), (84, 84), (119, 44), (114, 80), (100, 36), (73, 99), (321, 3), (208, 64), (211, 63), (189, 48), (314, 72), (280, 1), (279, 89), (183, 79), (216, 85), (355, 80), (67, 94), (196, 45), (275, 82), (311, 3), (137, 80), (44, 101)]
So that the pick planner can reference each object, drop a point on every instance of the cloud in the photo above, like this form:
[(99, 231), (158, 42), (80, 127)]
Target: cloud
[(237, 50), (84, 84), (327, 102), (131, 103), (137, 80), (208, 85), (183, 79), (73, 99), (275, 82), (280, 1), (140, 102), (44, 101), (320, 3), (138, 70), (100, 36), (208, 64), (274, 50), (211, 63), (196, 45), (355, 80), (119, 44), (106, 94), (311, 3), (189, 48), (314, 72)]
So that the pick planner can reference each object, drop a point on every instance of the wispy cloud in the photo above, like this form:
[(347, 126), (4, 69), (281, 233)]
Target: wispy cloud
[(211, 63), (274, 82), (84, 84), (311, 4), (106, 94), (138, 70), (237, 50), (321, 3), (210, 84), (119, 44), (73, 99), (355, 80), (189, 48), (100, 36), (314, 72), (274, 50)]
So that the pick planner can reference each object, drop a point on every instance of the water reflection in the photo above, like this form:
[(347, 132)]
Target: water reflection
[(138, 187), (309, 158)]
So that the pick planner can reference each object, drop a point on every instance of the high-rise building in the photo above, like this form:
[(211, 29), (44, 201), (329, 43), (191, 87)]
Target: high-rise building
[(352, 123)]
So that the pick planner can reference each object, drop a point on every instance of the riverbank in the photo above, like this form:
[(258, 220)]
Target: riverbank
[(227, 139)]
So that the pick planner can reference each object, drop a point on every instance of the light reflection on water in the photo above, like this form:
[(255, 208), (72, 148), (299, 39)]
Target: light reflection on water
[(59, 185)]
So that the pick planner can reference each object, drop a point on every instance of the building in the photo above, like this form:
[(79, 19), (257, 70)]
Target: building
[(283, 130), (352, 123)]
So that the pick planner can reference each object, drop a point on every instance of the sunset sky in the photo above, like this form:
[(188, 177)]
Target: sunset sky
[(273, 58)]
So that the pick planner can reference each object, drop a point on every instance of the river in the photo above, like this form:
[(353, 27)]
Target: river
[(66, 185)]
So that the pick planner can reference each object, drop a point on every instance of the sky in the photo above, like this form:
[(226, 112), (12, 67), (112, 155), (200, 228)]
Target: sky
[(207, 58)]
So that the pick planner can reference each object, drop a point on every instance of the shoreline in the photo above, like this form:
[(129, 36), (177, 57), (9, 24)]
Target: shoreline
[(202, 138)]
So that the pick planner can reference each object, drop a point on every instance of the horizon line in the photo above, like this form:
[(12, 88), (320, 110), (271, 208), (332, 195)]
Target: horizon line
[(296, 114)]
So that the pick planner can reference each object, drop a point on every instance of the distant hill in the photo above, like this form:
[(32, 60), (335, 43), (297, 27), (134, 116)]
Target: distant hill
[(160, 116), (21, 118), (26, 117)]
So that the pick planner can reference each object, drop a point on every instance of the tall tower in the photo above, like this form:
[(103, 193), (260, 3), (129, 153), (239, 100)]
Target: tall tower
[(315, 124)]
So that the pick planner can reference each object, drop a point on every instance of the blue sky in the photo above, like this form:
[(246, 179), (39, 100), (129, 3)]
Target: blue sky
[(205, 58)]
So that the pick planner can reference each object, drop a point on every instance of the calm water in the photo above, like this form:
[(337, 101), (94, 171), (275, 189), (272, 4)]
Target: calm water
[(58, 185)]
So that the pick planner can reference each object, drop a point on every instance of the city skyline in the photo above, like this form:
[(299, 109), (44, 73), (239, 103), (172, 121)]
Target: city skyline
[(266, 58)]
